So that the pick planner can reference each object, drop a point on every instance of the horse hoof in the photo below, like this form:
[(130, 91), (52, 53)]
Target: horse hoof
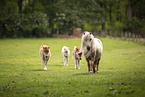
[(90, 73)]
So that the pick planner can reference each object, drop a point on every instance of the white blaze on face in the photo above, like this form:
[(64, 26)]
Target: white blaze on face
[(46, 55), (65, 51), (87, 39), (46, 51), (77, 53)]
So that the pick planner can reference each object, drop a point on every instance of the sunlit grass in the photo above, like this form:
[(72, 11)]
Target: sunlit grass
[(21, 71)]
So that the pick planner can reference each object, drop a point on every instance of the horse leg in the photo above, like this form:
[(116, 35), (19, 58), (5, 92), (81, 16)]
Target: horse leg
[(45, 64), (78, 64), (94, 66), (98, 65), (75, 61), (67, 62), (88, 66)]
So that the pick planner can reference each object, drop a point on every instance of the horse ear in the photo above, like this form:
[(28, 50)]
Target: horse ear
[(48, 47), (84, 33), (77, 48), (90, 33), (80, 53)]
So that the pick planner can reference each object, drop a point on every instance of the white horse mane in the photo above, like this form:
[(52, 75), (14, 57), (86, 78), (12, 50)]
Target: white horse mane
[(94, 43), (92, 50)]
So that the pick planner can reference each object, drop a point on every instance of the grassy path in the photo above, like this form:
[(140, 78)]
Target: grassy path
[(122, 70)]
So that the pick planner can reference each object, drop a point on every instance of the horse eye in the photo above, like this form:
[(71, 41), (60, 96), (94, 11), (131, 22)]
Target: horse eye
[(90, 39)]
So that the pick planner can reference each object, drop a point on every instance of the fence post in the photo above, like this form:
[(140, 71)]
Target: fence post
[(110, 34), (133, 36), (125, 35), (115, 34), (129, 36), (57, 33), (121, 34), (136, 38), (67, 35), (139, 38)]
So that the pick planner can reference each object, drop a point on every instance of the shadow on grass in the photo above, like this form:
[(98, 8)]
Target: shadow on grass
[(80, 74), (54, 65), (48, 67), (86, 74), (38, 70)]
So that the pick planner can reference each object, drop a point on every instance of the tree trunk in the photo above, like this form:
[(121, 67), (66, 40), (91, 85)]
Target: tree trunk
[(51, 25), (51, 17), (110, 12), (20, 5), (129, 10), (118, 12), (104, 26)]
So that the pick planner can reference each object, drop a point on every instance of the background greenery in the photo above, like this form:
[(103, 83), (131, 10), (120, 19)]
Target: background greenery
[(42, 18), (21, 71)]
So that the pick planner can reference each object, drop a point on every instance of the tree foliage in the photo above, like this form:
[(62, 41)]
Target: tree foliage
[(42, 18)]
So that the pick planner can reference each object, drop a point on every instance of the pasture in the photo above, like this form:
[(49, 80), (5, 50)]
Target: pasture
[(122, 70)]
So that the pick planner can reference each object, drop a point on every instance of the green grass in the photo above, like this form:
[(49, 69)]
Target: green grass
[(122, 70)]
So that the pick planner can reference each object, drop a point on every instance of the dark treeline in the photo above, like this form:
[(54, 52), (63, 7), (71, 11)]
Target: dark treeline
[(42, 18)]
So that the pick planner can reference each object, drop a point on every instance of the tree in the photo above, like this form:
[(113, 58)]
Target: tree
[(129, 10), (20, 2), (26, 17), (93, 13)]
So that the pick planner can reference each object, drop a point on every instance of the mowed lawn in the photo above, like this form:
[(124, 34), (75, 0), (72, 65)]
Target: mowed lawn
[(122, 70)]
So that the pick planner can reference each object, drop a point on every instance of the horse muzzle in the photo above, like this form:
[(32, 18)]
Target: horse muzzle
[(46, 57), (88, 48)]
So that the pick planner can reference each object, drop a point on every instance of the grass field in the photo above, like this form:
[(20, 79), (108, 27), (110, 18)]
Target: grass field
[(122, 70)]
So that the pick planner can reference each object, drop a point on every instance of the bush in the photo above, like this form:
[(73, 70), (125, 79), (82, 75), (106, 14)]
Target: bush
[(133, 25), (115, 27), (39, 32), (142, 32), (35, 25), (13, 25), (87, 27), (10, 20)]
